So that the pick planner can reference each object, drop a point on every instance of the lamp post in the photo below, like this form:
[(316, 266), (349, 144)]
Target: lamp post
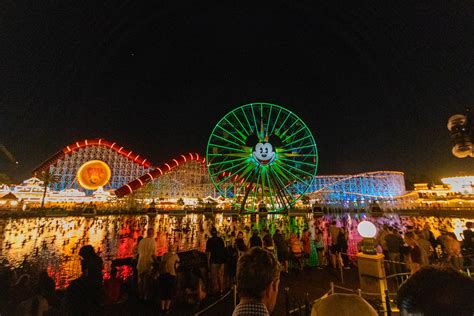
[(371, 265), (368, 231)]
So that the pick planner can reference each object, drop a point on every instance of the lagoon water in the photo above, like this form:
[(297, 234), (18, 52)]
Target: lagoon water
[(53, 243)]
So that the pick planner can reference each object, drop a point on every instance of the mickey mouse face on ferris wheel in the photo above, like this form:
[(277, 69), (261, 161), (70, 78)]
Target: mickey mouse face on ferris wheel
[(263, 153)]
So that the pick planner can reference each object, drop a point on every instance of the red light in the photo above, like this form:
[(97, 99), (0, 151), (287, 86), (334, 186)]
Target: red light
[(176, 161), (169, 168), (161, 172), (112, 147), (136, 158), (192, 158), (120, 149), (141, 182), (129, 187), (184, 157), (151, 177)]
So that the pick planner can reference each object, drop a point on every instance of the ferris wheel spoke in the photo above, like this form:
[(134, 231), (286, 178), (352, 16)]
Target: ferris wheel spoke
[(238, 131), (227, 140), (302, 128), (282, 191), (283, 169), (291, 126), (294, 149), (254, 119), (270, 189), (274, 124), (247, 178), (227, 161), (283, 124), (298, 140), (230, 133), (247, 120), (296, 169), (299, 162), (228, 147), (256, 190), (230, 176), (269, 119), (240, 123), (247, 191), (228, 169)]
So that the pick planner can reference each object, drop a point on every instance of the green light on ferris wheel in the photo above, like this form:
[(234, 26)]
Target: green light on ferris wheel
[(258, 152)]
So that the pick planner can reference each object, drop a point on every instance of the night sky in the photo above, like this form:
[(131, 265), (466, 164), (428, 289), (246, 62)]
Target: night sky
[(375, 82)]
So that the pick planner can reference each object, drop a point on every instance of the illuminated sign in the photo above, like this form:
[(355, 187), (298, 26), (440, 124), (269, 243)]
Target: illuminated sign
[(93, 174)]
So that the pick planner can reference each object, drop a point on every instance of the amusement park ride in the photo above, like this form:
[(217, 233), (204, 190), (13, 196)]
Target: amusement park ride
[(258, 153), (260, 157)]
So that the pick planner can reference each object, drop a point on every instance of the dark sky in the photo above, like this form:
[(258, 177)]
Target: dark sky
[(375, 82)]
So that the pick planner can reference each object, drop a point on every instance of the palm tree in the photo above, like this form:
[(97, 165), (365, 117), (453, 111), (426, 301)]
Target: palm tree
[(48, 178)]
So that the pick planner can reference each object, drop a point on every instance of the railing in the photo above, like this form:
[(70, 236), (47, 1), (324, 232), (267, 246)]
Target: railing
[(232, 291)]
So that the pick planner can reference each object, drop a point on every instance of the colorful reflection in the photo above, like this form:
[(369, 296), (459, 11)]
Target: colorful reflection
[(53, 243)]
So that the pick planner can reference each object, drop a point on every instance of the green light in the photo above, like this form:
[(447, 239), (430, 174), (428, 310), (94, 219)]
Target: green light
[(261, 181)]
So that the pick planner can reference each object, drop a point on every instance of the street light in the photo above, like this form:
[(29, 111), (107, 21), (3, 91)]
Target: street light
[(368, 231)]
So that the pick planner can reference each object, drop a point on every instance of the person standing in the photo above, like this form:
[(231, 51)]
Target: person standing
[(258, 278), (146, 258), (268, 241), (169, 264), (394, 243), (334, 233), (85, 295), (216, 257), (255, 240), (414, 258), (468, 238), (240, 243), (283, 253), (320, 248), (306, 241)]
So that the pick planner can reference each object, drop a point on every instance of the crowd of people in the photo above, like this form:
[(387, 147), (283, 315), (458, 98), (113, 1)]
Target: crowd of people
[(318, 242)]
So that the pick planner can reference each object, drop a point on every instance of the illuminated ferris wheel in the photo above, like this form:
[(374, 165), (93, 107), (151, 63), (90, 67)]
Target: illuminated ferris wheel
[(263, 156)]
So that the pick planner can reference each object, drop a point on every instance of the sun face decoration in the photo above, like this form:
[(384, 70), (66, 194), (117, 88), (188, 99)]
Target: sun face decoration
[(263, 153), (93, 174)]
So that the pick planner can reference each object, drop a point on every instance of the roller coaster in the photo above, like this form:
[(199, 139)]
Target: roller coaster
[(186, 176)]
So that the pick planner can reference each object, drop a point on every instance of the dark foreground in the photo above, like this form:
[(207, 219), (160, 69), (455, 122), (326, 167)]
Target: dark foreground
[(313, 281)]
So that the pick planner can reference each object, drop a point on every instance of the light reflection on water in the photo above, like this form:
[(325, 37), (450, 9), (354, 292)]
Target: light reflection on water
[(54, 243)]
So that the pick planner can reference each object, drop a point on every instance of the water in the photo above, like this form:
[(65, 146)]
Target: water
[(54, 243)]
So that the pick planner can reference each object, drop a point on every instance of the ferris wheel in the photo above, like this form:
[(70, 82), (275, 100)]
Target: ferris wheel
[(262, 156)]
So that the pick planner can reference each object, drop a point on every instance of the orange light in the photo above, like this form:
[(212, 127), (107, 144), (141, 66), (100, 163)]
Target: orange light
[(93, 174), (129, 187), (141, 182)]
